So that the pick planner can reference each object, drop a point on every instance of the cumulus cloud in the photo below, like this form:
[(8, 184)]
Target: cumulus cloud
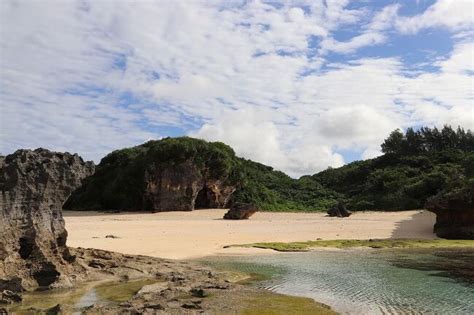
[(89, 76), (253, 135)]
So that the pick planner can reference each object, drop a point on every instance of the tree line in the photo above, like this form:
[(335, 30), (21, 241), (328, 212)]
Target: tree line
[(426, 140)]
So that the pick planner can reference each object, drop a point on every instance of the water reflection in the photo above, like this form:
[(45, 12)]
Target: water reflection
[(370, 281), (79, 297)]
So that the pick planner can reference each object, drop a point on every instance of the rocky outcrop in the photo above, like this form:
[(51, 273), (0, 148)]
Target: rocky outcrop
[(339, 210), (34, 186), (240, 211), (183, 187), (454, 213), (172, 174)]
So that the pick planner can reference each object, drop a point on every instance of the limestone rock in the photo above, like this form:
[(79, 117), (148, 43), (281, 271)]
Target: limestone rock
[(172, 174), (454, 213), (34, 186), (183, 187), (240, 211)]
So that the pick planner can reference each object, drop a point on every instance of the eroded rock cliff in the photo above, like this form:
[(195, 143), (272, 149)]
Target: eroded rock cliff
[(454, 213), (34, 186), (172, 174)]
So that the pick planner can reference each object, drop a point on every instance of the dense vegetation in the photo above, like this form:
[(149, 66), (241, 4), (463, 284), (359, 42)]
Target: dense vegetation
[(119, 179), (118, 182), (415, 166), (275, 191)]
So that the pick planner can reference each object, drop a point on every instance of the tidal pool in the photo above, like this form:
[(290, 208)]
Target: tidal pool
[(368, 281), (77, 298)]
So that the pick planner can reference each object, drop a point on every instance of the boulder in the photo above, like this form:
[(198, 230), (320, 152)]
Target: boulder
[(34, 186), (240, 211), (339, 210), (454, 213)]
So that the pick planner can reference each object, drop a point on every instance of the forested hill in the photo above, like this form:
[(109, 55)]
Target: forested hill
[(415, 165)]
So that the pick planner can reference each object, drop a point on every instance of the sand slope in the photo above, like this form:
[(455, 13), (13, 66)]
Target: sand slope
[(180, 235)]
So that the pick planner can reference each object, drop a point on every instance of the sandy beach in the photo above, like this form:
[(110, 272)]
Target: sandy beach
[(183, 235)]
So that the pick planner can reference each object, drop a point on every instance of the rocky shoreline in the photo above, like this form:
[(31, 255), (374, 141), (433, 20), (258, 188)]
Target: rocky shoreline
[(178, 287), (34, 255)]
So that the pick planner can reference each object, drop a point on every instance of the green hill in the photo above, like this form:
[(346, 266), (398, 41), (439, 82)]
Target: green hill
[(415, 166)]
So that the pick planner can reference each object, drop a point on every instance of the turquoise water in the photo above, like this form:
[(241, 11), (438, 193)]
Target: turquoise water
[(368, 281)]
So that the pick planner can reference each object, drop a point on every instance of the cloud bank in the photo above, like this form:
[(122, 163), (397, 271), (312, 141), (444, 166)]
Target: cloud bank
[(295, 84)]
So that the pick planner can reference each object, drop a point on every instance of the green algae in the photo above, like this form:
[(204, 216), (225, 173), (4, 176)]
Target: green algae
[(267, 303), (372, 243)]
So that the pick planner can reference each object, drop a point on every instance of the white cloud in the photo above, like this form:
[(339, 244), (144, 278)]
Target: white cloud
[(372, 35), (254, 135), (89, 76), (454, 15)]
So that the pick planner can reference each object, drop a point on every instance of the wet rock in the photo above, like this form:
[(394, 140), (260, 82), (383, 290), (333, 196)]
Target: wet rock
[(12, 284), (454, 213), (35, 185), (240, 211), (194, 305), (9, 297), (199, 292), (55, 310), (97, 264), (339, 210)]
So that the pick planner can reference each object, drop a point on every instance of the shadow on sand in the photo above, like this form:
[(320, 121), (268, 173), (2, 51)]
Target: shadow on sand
[(419, 225)]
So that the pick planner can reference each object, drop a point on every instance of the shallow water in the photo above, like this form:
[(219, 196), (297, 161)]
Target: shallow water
[(80, 297), (369, 281)]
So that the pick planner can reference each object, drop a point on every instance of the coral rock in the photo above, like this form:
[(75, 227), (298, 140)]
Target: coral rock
[(34, 185)]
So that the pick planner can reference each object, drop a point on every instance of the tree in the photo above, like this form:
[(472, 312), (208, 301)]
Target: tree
[(394, 142)]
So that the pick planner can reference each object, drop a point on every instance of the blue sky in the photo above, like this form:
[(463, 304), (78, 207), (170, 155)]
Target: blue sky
[(298, 85)]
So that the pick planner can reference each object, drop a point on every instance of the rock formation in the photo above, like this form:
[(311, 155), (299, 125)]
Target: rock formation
[(183, 187), (339, 210), (173, 174), (240, 211), (34, 186), (454, 213)]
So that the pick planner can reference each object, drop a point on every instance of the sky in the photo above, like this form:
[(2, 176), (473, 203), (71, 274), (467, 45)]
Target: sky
[(298, 85)]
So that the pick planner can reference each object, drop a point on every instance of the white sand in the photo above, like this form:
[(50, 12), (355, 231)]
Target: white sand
[(181, 235)]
